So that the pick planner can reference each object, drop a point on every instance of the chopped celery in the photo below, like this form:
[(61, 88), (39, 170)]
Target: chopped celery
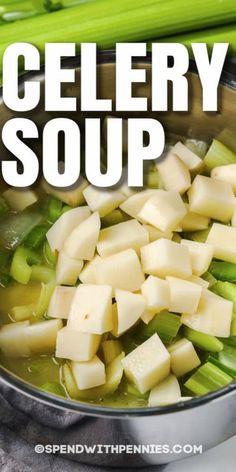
[(225, 360), (226, 290), (44, 298), (233, 325), (207, 379), (198, 147), (199, 236), (132, 390), (165, 324), (219, 155), (40, 273), (225, 271), (113, 218), (53, 387), (36, 237), (202, 340), (209, 278), (23, 312), (14, 227), (50, 257), (54, 209), (21, 264), (152, 178), (176, 238)]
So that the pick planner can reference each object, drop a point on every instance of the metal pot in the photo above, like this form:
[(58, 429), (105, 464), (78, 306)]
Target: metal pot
[(207, 420)]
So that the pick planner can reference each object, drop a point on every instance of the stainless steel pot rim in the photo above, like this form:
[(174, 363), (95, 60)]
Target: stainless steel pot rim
[(106, 57)]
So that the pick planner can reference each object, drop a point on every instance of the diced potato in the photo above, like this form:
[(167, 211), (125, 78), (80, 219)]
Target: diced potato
[(59, 306), (129, 308), (183, 357), (111, 349), (201, 255), (90, 310), (167, 392), (19, 199), (223, 240), (41, 337), (213, 316), (61, 229), (198, 280), (155, 233), (188, 157), (72, 196), (157, 294), (89, 374), (13, 339), (103, 201), (67, 269), (81, 243), (212, 198), (130, 234), (164, 210), (226, 173), (194, 222), (233, 219), (147, 316), (122, 270), (184, 295), (174, 173), (133, 204), (164, 257), (76, 346), (87, 275), (148, 364)]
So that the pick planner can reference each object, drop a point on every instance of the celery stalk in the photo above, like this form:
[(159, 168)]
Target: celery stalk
[(226, 290), (199, 236), (21, 264), (209, 278), (113, 218), (202, 340), (233, 326), (165, 324), (219, 155), (207, 379), (40, 273), (225, 360), (22, 312), (225, 271), (49, 256), (44, 298)]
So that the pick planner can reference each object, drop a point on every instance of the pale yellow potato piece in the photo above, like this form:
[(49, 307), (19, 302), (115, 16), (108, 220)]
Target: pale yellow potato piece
[(134, 203), (41, 337), (164, 210), (183, 357), (157, 294), (167, 392), (201, 255), (184, 295), (193, 222), (81, 243), (59, 306), (88, 374), (90, 310), (111, 349), (213, 316), (62, 228), (76, 346), (188, 157), (226, 173), (147, 316), (212, 198), (174, 173), (87, 275), (223, 240), (148, 364), (129, 307), (198, 280), (155, 233), (72, 196), (233, 219), (164, 257), (103, 201), (19, 199), (13, 339), (130, 234), (122, 270), (67, 269)]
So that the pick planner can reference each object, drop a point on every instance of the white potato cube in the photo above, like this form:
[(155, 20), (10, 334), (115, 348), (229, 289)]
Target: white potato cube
[(129, 308), (81, 243), (183, 357), (157, 294), (111, 349), (122, 270), (233, 219), (188, 157), (130, 234), (212, 198), (226, 173), (201, 255), (103, 201), (164, 210), (198, 280), (72, 196), (213, 316), (164, 257), (167, 392), (148, 364), (155, 233), (41, 337), (59, 306), (193, 222), (67, 269), (184, 295), (90, 310), (174, 173), (61, 229), (87, 275), (19, 199), (76, 346), (134, 203), (223, 240), (88, 374), (13, 339)]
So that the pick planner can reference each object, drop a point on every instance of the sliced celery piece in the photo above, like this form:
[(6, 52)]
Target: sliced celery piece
[(113, 218), (225, 360), (49, 256), (14, 227), (209, 278), (54, 209), (207, 379), (226, 290), (41, 273), (199, 236), (44, 298), (233, 325), (36, 237), (198, 147), (165, 324), (23, 312), (202, 340), (219, 155), (225, 271), (21, 264)]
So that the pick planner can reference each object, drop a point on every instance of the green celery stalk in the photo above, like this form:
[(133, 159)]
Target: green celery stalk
[(225, 360), (165, 324), (233, 325), (113, 218), (14, 227), (218, 155), (36, 237), (207, 379), (209, 278), (54, 209), (21, 264), (199, 236), (202, 340), (22, 312), (49, 256), (41, 273), (44, 298), (226, 290), (225, 271)]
